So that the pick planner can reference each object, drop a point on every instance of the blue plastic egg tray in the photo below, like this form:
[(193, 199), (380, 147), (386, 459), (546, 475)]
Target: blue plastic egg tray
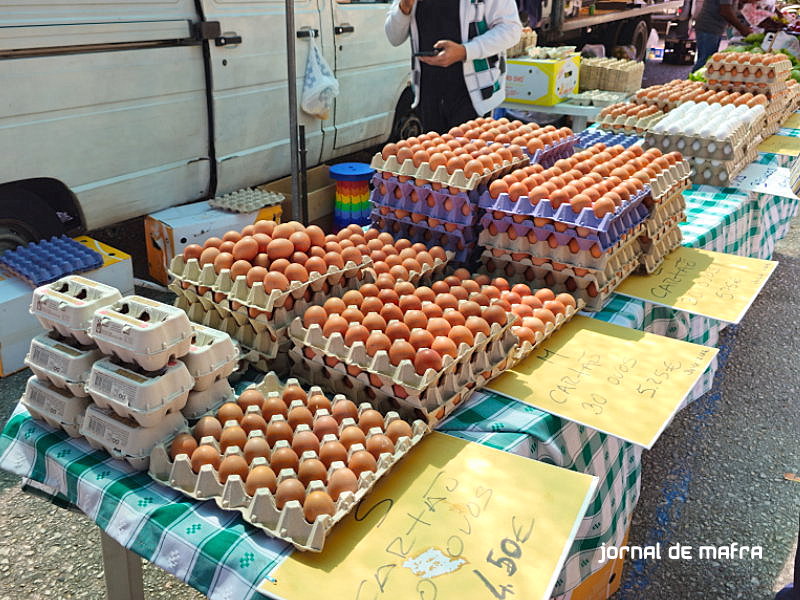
[(48, 260), (589, 137)]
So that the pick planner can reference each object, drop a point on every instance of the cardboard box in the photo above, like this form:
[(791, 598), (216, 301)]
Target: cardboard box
[(170, 230), (19, 327), (321, 193), (543, 82)]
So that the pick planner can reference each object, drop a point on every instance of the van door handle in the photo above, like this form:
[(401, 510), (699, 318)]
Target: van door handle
[(308, 32), (339, 29), (228, 40)]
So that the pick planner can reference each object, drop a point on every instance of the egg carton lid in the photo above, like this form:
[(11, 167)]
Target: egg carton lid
[(457, 179), (55, 406), (212, 353), (70, 302), (206, 402), (42, 262), (462, 202), (246, 200), (65, 364)]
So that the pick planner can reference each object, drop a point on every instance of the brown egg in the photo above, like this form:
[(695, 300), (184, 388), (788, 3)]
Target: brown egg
[(230, 411), (342, 481), (427, 359), (400, 349), (240, 269), (344, 409), (312, 469), (208, 256), (379, 444), (256, 274), (261, 477), (460, 334), (280, 248), (254, 447), (182, 444), (334, 306), (224, 260), (284, 458), (231, 236), (205, 455), (232, 436), (207, 426), (232, 465), (350, 435), (332, 451), (545, 294), (226, 247), (335, 324), (421, 338), (388, 296), (317, 401), (352, 315), (278, 430), (324, 425), (273, 405), (356, 333), (253, 422), (478, 325), (444, 346), (372, 304), (212, 242), (250, 397), (454, 317), (317, 504), (275, 281), (544, 315), (192, 251), (555, 307), (303, 441), (362, 461), (288, 490), (370, 418), (298, 415), (245, 249), (377, 342), (314, 315), (397, 429)]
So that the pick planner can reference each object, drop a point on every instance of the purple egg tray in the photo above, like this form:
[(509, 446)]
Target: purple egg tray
[(464, 205), (461, 233), (462, 251), (46, 261), (548, 156)]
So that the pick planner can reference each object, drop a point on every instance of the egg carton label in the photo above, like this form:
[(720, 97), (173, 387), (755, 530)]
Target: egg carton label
[(119, 390), (48, 360)]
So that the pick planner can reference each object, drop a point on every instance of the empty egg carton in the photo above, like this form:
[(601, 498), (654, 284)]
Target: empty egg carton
[(246, 200), (658, 248), (125, 439), (142, 331), (200, 403), (55, 406), (47, 260), (62, 363), (212, 356), (68, 305)]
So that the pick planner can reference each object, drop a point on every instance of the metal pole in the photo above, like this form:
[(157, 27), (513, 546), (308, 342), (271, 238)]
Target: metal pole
[(291, 67), (303, 175)]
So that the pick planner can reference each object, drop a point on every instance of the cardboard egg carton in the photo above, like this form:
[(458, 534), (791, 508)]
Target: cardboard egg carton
[(663, 190), (261, 510), (526, 348), (734, 71), (124, 438), (697, 146), (720, 173), (211, 357), (457, 180), (142, 331), (595, 97), (631, 125), (659, 248), (62, 362), (207, 401), (456, 248), (55, 406), (769, 89), (145, 397), (246, 200), (672, 209), (439, 204), (68, 305)]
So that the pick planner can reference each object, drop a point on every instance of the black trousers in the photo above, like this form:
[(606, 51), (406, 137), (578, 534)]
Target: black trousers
[(441, 107)]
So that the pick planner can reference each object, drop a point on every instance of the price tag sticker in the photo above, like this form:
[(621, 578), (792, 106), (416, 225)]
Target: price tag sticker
[(621, 381), (711, 284), (453, 520)]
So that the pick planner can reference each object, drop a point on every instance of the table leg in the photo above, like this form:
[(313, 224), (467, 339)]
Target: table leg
[(579, 123), (123, 571)]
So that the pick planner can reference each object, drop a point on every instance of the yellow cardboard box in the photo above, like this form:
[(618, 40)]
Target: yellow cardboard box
[(543, 82)]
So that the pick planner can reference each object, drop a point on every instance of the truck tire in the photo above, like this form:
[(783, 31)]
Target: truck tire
[(24, 218), (406, 122), (634, 33)]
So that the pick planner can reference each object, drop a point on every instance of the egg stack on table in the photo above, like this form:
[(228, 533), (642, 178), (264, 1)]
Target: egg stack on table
[(292, 461), (426, 188), (573, 227), (121, 372)]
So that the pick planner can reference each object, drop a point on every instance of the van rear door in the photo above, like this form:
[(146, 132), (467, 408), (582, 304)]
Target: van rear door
[(107, 97), (250, 96)]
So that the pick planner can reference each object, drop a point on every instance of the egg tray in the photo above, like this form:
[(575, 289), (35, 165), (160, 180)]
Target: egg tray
[(595, 97), (697, 146), (665, 212), (654, 257), (46, 261), (68, 305), (768, 89), (207, 401), (211, 357), (55, 406), (62, 362), (525, 349), (551, 153), (722, 71), (462, 202), (420, 208), (457, 250), (720, 173), (246, 200), (424, 277), (668, 230), (457, 180), (463, 234), (607, 231), (206, 278), (145, 397), (590, 137), (356, 359), (124, 439), (661, 191), (630, 125)]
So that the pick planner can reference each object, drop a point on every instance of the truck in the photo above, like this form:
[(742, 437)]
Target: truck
[(112, 110)]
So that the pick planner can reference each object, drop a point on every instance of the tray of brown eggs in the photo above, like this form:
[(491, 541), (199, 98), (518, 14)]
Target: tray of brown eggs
[(292, 462)]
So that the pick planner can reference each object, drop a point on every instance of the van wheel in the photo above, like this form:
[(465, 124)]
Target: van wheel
[(406, 122), (634, 33), (25, 218)]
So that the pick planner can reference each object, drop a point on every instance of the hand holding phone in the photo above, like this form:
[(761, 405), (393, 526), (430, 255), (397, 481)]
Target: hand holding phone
[(434, 52)]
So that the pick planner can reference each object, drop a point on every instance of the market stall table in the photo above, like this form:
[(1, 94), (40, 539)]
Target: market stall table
[(220, 555)]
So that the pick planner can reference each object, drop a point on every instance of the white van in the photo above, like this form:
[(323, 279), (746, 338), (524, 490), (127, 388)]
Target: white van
[(111, 110)]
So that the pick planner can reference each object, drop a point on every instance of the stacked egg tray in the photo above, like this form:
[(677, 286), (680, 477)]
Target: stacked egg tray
[(457, 240), (719, 173), (246, 200), (669, 208), (48, 260), (626, 123), (669, 95), (473, 366), (600, 98), (668, 184), (656, 248), (551, 153), (267, 504), (590, 137), (705, 147)]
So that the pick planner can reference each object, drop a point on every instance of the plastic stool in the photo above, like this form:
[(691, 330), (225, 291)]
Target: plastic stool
[(352, 193)]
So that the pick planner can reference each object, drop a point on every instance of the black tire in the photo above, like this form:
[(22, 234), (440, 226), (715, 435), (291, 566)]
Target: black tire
[(24, 218), (406, 122), (635, 33)]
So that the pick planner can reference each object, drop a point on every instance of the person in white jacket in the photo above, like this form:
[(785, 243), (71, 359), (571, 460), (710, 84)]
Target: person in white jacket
[(466, 78)]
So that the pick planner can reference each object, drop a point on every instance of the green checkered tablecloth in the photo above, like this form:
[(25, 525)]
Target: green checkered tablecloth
[(223, 557)]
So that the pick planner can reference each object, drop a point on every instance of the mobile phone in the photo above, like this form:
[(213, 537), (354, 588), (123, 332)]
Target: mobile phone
[(433, 52)]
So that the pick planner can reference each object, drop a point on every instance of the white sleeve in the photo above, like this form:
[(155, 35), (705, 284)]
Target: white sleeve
[(397, 25), (504, 31)]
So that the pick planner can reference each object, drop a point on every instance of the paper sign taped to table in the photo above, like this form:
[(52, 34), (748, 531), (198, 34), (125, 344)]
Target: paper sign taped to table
[(711, 284), (792, 122), (621, 381), (780, 144), (454, 520)]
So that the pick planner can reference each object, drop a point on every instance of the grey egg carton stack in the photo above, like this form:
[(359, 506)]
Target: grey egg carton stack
[(601, 98), (246, 200), (62, 362)]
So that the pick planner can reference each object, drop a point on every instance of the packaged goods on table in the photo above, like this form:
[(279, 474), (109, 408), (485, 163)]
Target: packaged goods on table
[(292, 462), (44, 261), (613, 74)]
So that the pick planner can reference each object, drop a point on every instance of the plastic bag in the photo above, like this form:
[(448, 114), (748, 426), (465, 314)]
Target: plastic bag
[(320, 87)]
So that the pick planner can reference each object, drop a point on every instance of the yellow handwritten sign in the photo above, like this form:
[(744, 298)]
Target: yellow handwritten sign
[(792, 122), (621, 381), (712, 284), (454, 520), (780, 144)]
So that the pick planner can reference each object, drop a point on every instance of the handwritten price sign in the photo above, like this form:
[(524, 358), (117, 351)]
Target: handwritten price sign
[(711, 284), (621, 381), (452, 522), (780, 144)]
